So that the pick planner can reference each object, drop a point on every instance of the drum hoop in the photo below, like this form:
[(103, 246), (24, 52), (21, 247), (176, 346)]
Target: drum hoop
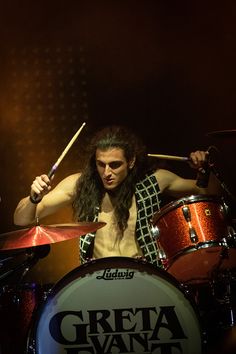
[(195, 248), (182, 201), (117, 262), (99, 264)]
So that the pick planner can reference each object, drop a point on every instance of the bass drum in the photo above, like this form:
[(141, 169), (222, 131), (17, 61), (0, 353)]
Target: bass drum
[(116, 305)]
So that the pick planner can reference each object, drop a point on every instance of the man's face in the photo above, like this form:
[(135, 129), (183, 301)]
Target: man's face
[(112, 167)]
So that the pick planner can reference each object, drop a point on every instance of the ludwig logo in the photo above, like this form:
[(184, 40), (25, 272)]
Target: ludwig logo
[(115, 274)]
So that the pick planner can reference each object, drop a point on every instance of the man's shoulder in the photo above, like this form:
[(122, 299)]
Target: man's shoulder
[(161, 172), (73, 177), (70, 181)]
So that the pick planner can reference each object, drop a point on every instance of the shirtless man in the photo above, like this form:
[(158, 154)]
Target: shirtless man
[(117, 187)]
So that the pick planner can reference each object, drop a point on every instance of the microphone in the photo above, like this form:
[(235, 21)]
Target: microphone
[(204, 173)]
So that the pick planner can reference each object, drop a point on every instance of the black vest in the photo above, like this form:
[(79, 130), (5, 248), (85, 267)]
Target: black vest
[(147, 198)]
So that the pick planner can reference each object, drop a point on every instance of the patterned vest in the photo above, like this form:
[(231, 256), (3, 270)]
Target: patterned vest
[(147, 198)]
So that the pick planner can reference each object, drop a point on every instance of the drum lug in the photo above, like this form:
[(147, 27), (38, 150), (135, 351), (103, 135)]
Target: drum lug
[(224, 243), (231, 237), (224, 209), (186, 212), (161, 256), (155, 232), (193, 234), (187, 216)]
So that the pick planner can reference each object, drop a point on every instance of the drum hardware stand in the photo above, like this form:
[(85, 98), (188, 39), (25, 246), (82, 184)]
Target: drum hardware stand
[(222, 183), (224, 277), (34, 254), (223, 280), (230, 240), (224, 254), (13, 276), (5, 260)]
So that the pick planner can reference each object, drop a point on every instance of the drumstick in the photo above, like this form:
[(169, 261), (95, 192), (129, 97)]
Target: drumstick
[(170, 157), (34, 198), (64, 152)]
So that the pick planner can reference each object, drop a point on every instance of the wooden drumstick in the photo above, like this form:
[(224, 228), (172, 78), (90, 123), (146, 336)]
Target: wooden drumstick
[(64, 152), (170, 157), (35, 199)]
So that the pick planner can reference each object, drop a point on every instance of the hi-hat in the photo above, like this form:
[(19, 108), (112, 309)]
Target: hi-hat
[(46, 234), (223, 133)]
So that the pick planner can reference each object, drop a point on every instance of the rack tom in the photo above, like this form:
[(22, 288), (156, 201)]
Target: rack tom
[(194, 237)]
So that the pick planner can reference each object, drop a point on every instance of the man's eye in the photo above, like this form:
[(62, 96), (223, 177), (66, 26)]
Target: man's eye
[(115, 164), (101, 164)]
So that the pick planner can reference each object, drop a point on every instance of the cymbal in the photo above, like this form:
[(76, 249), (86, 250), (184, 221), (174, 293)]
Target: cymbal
[(46, 234), (223, 133)]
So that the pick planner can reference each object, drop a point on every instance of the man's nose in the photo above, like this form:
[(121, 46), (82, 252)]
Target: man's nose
[(107, 170)]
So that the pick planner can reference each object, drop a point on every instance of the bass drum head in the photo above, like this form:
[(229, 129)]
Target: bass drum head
[(116, 305)]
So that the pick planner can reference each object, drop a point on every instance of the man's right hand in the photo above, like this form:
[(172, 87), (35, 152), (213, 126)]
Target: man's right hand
[(40, 187)]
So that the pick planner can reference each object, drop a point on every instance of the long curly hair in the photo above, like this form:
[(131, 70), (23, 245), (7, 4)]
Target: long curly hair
[(89, 188)]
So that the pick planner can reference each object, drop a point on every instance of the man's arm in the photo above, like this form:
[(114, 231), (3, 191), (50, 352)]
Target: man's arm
[(26, 211), (176, 186)]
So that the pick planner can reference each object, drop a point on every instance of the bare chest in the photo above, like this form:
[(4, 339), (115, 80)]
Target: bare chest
[(109, 241)]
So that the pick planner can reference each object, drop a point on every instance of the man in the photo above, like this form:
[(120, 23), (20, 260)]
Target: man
[(119, 187)]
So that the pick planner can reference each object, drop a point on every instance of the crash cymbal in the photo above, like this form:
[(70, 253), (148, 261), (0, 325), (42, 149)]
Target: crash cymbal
[(46, 234), (223, 133)]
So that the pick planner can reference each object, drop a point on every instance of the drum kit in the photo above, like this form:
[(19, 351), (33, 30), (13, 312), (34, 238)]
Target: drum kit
[(126, 305)]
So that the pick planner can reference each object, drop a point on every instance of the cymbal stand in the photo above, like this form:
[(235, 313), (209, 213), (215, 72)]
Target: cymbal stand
[(222, 183), (34, 254), (222, 293)]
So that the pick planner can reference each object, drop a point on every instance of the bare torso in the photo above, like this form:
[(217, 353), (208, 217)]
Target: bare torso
[(108, 240)]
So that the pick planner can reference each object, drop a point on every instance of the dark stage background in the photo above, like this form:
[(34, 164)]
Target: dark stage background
[(164, 68)]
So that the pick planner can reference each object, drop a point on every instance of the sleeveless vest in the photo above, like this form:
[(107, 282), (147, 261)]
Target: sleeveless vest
[(147, 199)]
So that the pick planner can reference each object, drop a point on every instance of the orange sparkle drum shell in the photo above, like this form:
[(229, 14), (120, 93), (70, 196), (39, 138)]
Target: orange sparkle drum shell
[(194, 258)]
